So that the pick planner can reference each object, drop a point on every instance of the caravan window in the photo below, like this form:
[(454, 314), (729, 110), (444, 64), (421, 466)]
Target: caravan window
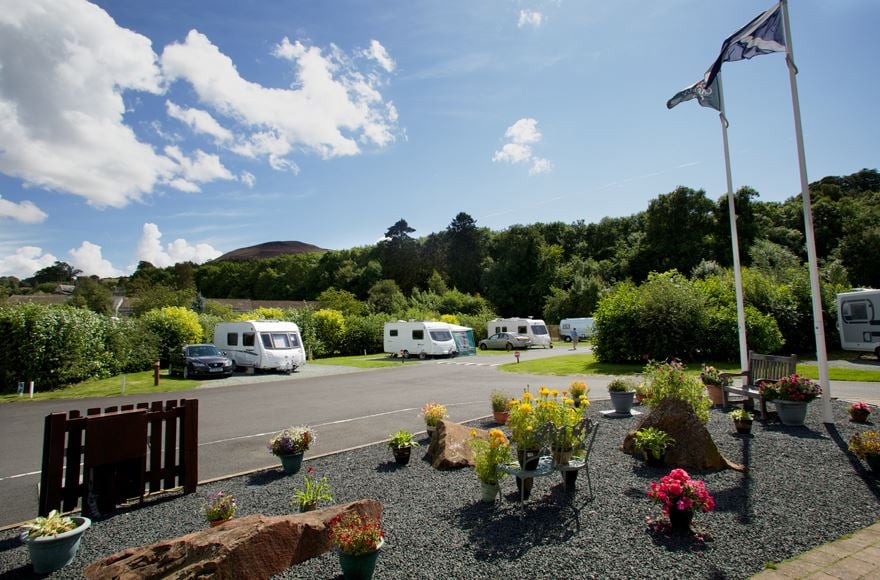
[(294, 340), (539, 329), (281, 340), (232, 338), (855, 311), (521, 330), (418, 335), (441, 335), (392, 332), (266, 339), (247, 339)]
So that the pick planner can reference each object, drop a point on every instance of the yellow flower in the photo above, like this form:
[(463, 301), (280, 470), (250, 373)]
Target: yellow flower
[(529, 428), (568, 401), (525, 408), (544, 391), (527, 396), (514, 402), (554, 392), (473, 432)]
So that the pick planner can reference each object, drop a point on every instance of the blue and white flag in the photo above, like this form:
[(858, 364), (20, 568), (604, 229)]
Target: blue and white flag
[(706, 96), (763, 35)]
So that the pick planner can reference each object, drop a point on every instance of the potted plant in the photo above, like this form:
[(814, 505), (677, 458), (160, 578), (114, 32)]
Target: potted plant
[(500, 406), (523, 423), (401, 444), (358, 539), (680, 496), (290, 445), (488, 455), (578, 391), (791, 395), (622, 392), (742, 420), (858, 412), (643, 391), (219, 508), (670, 380), (312, 493), (53, 541), (714, 382), (867, 446), (433, 414), (652, 442)]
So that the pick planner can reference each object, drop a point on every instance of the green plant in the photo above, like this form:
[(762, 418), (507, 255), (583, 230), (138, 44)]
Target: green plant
[(50, 525), (791, 388), (669, 380), (500, 401), (867, 443), (741, 415), (292, 440), (355, 534), (712, 376), (643, 390), (578, 389), (523, 421), (219, 507), (313, 492), (621, 386), (488, 455), (653, 440), (434, 413), (402, 439)]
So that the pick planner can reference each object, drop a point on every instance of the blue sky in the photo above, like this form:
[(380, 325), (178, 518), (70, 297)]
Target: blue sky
[(176, 130)]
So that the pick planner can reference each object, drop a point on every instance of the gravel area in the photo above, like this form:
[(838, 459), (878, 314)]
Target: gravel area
[(802, 489)]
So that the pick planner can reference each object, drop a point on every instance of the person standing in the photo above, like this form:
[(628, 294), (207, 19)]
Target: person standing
[(574, 338)]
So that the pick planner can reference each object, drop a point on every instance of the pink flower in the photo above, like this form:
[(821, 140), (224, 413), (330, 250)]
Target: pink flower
[(675, 489)]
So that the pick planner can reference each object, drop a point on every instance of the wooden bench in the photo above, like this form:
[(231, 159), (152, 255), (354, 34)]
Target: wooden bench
[(763, 368)]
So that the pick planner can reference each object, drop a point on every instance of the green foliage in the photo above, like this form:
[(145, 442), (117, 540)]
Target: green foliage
[(402, 439), (341, 300), (133, 345), (620, 385), (175, 326), (330, 330), (160, 296), (385, 296), (653, 440), (671, 381), (90, 293), (364, 334)]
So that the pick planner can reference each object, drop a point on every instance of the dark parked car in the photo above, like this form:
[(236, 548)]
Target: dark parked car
[(200, 359), (506, 341)]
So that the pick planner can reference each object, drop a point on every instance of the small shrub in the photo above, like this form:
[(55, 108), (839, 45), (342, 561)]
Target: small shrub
[(671, 381)]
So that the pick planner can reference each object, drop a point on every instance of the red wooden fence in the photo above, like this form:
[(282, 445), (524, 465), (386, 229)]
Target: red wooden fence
[(158, 441)]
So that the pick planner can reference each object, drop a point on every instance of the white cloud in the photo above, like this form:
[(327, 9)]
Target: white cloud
[(66, 64), (378, 53), (530, 18), (201, 168), (25, 211), (247, 178), (150, 249), (522, 135), (199, 121), (331, 105), (88, 258), (25, 262)]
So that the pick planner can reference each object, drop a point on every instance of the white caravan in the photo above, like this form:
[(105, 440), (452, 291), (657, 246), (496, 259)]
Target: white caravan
[(584, 327), (419, 338), (531, 327), (261, 344), (858, 320)]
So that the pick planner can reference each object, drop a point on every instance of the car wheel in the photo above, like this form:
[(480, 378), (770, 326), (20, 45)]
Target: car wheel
[(483, 346), (567, 339), (186, 372), (509, 347), (422, 356), (877, 352), (406, 354)]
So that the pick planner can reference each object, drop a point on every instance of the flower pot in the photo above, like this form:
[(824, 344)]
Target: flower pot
[(308, 507), (488, 491), (562, 456), (622, 401), (791, 413), (524, 484), (873, 461), (743, 426), (501, 417), (680, 520), (401, 454), (715, 393), (652, 461), (570, 477), (215, 523), (50, 553), (291, 463), (859, 416), (359, 567)]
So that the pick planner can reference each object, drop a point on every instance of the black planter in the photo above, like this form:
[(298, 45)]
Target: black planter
[(652, 461), (743, 427), (401, 454), (524, 484)]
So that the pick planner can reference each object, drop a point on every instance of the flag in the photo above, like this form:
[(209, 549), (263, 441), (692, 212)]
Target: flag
[(706, 96), (763, 35)]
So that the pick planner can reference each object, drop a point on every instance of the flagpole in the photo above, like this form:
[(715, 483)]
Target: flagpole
[(734, 238), (815, 289)]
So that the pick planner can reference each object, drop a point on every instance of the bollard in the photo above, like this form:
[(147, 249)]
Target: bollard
[(156, 374), (516, 354)]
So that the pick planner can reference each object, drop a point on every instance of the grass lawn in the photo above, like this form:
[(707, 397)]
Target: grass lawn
[(586, 364), (135, 384)]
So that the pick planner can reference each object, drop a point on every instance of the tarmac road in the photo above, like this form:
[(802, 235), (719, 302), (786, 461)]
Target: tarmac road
[(346, 407)]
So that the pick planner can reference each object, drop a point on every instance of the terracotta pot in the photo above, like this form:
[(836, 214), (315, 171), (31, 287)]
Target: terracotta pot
[(501, 417), (715, 394)]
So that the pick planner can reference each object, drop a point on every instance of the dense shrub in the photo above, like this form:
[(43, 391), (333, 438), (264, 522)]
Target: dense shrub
[(133, 345), (617, 332), (722, 332), (175, 326), (364, 334), (330, 330)]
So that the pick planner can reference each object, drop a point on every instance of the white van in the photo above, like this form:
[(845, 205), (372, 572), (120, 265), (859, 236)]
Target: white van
[(261, 344), (419, 338), (858, 320), (584, 327), (531, 327)]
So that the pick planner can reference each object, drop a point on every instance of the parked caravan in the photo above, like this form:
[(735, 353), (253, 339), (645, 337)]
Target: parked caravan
[(531, 327), (261, 344), (584, 327), (419, 338), (858, 320)]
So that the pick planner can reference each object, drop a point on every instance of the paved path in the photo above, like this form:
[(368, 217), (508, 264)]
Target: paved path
[(852, 557)]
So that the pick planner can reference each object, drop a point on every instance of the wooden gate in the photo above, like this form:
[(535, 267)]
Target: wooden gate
[(151, 444)]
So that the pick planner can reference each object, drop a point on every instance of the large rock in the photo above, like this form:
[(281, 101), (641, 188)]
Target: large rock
[(249, 547), (693, 444), (449, 447)]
